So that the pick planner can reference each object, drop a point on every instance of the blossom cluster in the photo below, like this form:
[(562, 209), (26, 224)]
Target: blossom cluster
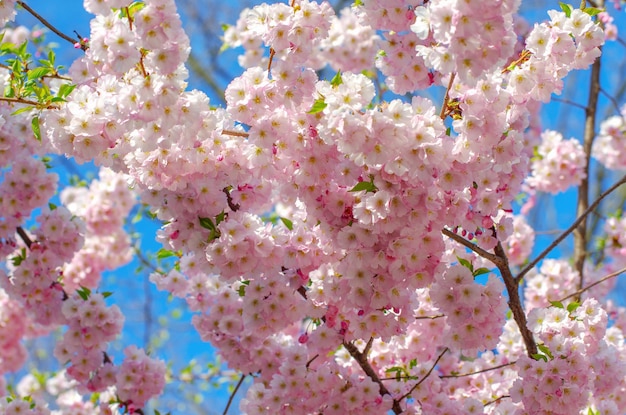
[(579, 364), (102, 206), (558, 164), (608, 146), (350, 265)]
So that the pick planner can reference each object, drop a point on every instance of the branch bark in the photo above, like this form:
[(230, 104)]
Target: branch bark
[(580, 233)]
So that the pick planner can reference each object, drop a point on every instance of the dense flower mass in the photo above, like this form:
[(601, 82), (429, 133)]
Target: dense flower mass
[(352, 252)]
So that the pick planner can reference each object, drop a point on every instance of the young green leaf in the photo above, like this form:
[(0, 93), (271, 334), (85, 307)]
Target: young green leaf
[(465, 263), (480, 271), (35, 124), (336, 81), (318, 106), (557, 304), (571, 307), (567, 9), (288, 224)]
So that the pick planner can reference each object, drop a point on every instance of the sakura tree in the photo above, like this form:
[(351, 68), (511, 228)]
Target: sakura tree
[(352, 244)]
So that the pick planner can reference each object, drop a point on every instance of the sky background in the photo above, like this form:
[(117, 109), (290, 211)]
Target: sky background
[(168, 322)]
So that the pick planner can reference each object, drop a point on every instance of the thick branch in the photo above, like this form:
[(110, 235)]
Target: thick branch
[(24, 236), (361, 359), (580, 233), (569, 230), (515, 303)]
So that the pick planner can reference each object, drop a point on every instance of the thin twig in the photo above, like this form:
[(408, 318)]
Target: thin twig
[(50, 26), (425, 376), (478, 371), (497, 399), (572, 103), (232, 395), (582, 290), (569, 230), (473, 247), (235, 133), (430, 317), (27, 102), (612, 99)]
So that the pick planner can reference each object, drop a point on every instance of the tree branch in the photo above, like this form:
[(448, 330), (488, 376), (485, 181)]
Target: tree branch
[(425, 376), (569, 230), (489, 369), (580, 232), (582, 290), (24, 236), (473, 247), (515, 304), (232, 395), (51, 27), (361, 359)]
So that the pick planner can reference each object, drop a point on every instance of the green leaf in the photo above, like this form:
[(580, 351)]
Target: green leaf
[(220, 218), (557, 304), (18, 259), (52, 206), (544, 349), (592, 11), (164, 253), (207, 223), (288, 224), (336, 81), (571, 307), (38, 73), (465, 263), (35, 124), (318, 106), (480, 271), (539, 356), (65, 90), (367, 186), (358, 3), (567, 9), (22, 110), (242, 291), (83, 292), (107, 294)]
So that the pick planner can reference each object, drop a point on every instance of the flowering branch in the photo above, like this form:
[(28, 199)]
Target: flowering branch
[(425, 376), (478, 371), (582, 290), (361, 359), (51, 27), (569, 230)]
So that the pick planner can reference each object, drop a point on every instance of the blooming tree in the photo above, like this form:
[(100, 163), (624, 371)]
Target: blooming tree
[(348, 243)]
